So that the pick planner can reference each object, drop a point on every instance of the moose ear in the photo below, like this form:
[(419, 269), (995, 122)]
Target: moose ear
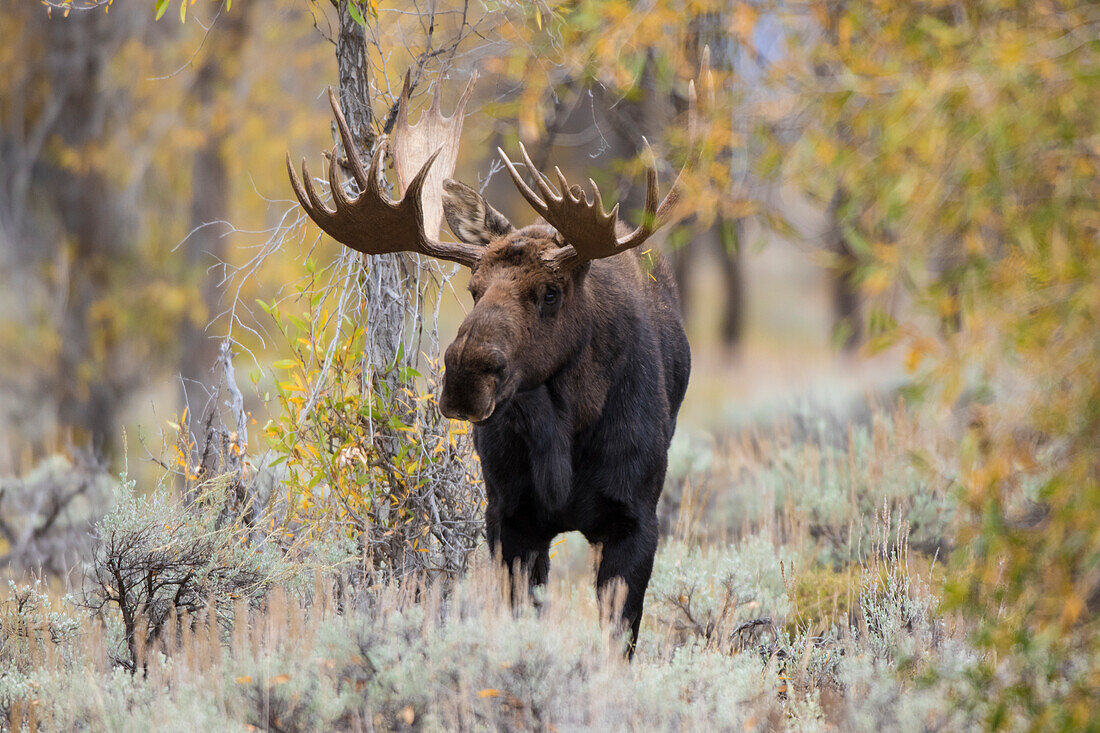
[(469, 216)]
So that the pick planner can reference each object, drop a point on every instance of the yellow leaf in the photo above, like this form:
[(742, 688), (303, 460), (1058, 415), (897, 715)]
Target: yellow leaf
[(913, 360), (844, 32), (488, 692), (744, 20), (244, 680), (919, 349), (280, 679), (1072, 609), (877, 282)]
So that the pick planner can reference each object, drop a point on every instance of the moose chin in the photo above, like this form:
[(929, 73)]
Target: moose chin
[(573, 361)]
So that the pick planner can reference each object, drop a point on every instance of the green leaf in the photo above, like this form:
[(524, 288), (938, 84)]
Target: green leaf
[(162, 6), (356, 14)]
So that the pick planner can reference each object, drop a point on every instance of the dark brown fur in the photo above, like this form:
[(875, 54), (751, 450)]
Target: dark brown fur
[(573, 379)]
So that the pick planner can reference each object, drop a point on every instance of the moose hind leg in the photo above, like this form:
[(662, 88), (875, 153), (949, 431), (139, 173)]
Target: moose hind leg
[(628, 560)]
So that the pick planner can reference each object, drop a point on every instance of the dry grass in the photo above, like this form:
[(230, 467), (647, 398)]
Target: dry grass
[(788, 593)]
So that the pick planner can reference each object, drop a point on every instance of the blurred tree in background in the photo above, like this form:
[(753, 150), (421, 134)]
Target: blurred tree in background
[(66, 212), (120, 139), (217, 77)]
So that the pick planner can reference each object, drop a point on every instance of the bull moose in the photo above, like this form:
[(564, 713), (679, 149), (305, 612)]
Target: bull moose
[(573, 361)]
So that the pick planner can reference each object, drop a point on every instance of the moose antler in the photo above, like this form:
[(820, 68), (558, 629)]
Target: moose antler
[(589, 231), (414, 144), (372, 222)]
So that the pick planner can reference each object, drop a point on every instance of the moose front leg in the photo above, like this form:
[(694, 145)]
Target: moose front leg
[(525, 557), (628, 560)]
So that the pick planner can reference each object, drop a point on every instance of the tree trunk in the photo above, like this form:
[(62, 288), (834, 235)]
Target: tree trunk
[(847, 318), (385, 274), (711, 30), (729, 240), (207, 245), (90, 383)]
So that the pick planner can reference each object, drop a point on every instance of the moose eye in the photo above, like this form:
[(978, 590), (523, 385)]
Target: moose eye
[(550, 297)]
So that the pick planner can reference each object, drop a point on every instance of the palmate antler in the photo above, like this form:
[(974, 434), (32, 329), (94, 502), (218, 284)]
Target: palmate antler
[(589, 231), (372, 222), (413, 144)]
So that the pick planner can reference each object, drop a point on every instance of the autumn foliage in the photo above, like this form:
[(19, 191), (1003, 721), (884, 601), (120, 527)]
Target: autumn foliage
[(955, 146), (948, 555)]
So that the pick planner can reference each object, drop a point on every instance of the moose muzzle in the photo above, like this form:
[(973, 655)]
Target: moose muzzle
[(473, 381)]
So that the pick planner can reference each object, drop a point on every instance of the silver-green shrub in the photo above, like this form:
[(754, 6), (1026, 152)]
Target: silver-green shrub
[(158, 556), (46, 515), (710, 591)]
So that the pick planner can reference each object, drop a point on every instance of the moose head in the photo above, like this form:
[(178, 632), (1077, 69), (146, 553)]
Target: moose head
[(532, 311)]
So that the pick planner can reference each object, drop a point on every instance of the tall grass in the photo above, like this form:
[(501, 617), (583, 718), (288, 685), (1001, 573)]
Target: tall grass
[(794, 589)]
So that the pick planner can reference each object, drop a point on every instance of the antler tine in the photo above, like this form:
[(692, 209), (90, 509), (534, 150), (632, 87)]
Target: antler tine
[(532, 198), (373, 186), (548, 193), (412, 191), (649, 212), (315, 206), (349, 144), (340, 197), (575, 193), (296, 182), (598, 200), (650, 186)]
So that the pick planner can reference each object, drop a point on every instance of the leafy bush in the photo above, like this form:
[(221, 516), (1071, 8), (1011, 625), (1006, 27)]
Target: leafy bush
[(844, 494), (368, 454), (473, 664), (28, 620), (969, 180)]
